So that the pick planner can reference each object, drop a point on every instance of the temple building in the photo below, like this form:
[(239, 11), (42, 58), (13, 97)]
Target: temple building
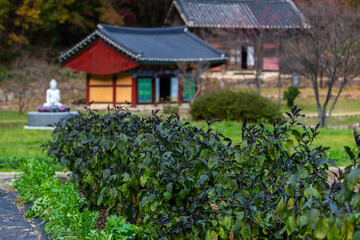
[(244, 29), (140, 65)]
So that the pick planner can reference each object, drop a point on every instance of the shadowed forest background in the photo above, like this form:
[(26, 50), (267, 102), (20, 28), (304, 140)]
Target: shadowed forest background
[(34, 32)]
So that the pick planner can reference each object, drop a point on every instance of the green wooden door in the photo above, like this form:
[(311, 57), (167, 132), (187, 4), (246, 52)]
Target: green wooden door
[(189, 86), (144, 90)]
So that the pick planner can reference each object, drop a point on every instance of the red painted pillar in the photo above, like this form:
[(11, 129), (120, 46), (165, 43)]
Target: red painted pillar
[(87, 89), (134, 91), (114, 89), (197, 89), (180, 97), (153, 91)]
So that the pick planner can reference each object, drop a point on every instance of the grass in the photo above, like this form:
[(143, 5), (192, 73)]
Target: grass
[(17, 142), (342, 106), (334, 138), (306, 99), (12, 116)]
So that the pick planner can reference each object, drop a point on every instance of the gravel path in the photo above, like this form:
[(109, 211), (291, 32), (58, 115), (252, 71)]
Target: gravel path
[(13, 225)]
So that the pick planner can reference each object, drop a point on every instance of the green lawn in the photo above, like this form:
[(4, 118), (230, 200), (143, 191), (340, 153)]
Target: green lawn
[(342, 106), (12, 116), (306, 100), (333, 138), (16, 142)]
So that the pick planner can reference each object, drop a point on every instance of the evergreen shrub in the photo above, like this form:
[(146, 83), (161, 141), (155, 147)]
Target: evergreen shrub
[(169, 109), (234, 105), (176, 181), (290, 95)]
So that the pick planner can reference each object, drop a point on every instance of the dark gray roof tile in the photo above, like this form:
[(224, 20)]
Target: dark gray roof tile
[(240, 13), (166, 45)]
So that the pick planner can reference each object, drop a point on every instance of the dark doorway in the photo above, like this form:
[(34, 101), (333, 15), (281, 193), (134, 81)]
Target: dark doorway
[(243, 58), (165, 89)]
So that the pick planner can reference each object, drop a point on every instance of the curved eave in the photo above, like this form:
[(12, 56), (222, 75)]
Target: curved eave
[(79, 46), (176, 61), (248, 26)]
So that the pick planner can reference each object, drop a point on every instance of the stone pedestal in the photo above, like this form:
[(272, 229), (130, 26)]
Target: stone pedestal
[(44, 119)]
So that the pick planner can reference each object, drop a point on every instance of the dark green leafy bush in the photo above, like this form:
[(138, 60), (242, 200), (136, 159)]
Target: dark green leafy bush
[(176, 181), (290, 95), (231, 105), (153, 172), (170, 109)]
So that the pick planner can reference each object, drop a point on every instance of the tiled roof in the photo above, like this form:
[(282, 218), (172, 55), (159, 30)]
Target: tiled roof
[(154, 45), (238, 13)]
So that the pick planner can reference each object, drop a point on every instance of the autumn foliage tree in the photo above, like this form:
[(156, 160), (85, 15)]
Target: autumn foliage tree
[(143, 13), (28, 22)]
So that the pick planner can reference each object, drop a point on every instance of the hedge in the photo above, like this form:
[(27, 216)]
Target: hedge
[(176, 181)]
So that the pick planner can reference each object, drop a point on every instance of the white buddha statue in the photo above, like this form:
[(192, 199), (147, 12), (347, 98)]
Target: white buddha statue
[(52, 95)]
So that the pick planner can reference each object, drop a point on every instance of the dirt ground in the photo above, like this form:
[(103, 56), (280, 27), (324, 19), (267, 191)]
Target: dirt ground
[(13, 224)]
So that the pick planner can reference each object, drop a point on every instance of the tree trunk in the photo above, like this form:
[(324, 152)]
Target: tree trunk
[(321, 79), (323, 118), (279, 86), (337, 97), (258, 84)]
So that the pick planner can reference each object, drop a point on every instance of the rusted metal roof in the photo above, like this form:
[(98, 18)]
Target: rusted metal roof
[(238, 13)]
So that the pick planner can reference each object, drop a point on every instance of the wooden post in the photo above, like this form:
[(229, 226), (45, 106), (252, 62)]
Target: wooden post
[(114, 89), (153, 91), (87, 89), (134, 98), (180, 97), (197, 94)]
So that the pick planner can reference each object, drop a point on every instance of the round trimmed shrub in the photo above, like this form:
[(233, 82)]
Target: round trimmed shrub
[(234, 105)]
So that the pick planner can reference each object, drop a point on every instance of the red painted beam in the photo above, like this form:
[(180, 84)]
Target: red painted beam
[(87, 89), (101, 59), (134, 92), (114, 89), (153, 91)]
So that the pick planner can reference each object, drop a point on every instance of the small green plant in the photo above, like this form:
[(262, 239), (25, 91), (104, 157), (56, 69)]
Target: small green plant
[(169, 109), (117, 228), (59, 205), (290, 95)]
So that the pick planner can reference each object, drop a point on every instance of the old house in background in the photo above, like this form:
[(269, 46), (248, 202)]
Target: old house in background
[(244, 29), (140, 65)]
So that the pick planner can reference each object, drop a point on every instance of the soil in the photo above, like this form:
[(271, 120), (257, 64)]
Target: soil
[(13, 225)]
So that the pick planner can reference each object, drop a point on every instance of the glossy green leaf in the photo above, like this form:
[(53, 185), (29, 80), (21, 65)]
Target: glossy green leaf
[(211, 235), (245, 231), (203, 178), (313, 217), (289, 146), (290, 225), (213, 161), (333, 233), (167, 196), (322, 228)]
